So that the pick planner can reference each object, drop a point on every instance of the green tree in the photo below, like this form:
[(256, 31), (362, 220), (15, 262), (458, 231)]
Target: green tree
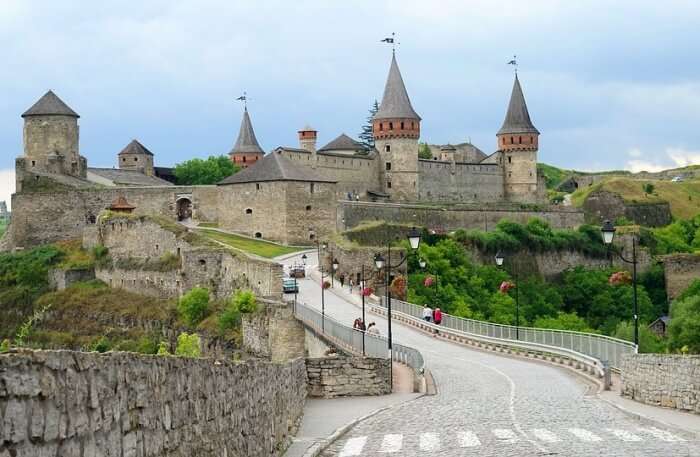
[(649, 342), (188, 345), (163, 348), (242, 302), (194, 305), (366, 136), (204, 171), (564, 321), (684, 329), (424, 151), (648, 188)]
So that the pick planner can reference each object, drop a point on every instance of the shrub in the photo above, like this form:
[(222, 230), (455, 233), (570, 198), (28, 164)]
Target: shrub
[(242, 302), (649, 341), (194, 305), (648, 188), (163, 348), (5, 345), (100, 345), (188, 345), (99, 252), (245, 301), (684, 330)]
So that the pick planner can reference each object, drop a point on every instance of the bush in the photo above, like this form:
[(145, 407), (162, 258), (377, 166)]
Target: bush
[(163, 348), (684, 330), (188, 345), (99, 252), (244, 300), (100, 345), (194, 305), (649, 342)]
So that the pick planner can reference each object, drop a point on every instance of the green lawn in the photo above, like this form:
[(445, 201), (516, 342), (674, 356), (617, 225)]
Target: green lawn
[(257, 247), (209, 224)]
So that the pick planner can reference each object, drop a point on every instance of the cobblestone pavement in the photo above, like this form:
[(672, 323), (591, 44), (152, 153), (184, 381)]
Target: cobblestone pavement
[(490, 405)]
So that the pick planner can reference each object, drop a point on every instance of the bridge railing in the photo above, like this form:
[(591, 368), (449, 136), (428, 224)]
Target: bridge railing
[(351, 340), (599, 347)]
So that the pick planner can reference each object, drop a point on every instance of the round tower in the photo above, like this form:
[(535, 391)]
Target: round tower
[(307, 138), (518, 141), (396, 129)]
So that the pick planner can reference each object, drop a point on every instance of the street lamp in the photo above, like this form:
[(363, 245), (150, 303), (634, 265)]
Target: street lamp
[(414, 238), (335, 264), (499, 258), (323, 245), (421, 263), (608, 231)]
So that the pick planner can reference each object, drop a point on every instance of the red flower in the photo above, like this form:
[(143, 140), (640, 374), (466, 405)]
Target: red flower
[(620, 277), (506, 286), (429, 281), (367, 291)]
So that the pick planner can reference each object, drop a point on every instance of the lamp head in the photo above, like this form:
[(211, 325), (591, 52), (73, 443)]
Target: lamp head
[(608, 231), (499, 258), (335, 264), (414, 238), (379, 261)]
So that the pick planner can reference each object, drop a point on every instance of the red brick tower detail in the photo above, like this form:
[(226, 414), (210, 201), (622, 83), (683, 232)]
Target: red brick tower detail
[(307, 138), (396, 117)]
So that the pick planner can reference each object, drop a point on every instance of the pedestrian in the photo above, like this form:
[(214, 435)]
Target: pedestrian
[(363, 327), (427, 313), (357, 197), (372, 329), (342, 280), (349, 196), (357, 325), (350, 284), (437, 316)]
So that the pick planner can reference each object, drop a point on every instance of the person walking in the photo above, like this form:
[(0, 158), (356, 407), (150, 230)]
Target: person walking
[(350, 285), (372, 329), (342, 280), (427, 313), (437, 318)]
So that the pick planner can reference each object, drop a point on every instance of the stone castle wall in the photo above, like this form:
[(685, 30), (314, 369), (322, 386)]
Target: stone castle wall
[(344, 376), (459, 182), (680, 270), (46, 217), (482, 217), (124, 404), (601, 205), (273, 332), (664, 380)]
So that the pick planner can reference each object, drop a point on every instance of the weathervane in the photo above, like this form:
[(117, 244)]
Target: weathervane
[(514, 62), (244, 98), (392, 41)]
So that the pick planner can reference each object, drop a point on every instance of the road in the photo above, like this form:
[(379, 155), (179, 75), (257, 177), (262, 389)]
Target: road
[(491, 405)]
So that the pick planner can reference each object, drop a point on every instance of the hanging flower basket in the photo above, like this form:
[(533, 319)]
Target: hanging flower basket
[(326, 285), (506, 286), (429, 281), (367, 291), (620, 277), (398, 287)]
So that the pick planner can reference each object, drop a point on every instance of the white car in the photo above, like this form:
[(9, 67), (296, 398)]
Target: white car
[(677, 179)]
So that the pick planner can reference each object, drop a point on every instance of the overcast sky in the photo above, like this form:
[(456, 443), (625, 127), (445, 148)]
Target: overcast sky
[(608, 84)]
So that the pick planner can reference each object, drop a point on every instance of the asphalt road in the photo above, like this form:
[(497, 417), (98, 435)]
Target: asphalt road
[(490, 405)]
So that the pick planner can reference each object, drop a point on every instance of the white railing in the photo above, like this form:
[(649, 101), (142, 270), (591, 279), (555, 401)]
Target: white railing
[(605, 349), (352, 340)]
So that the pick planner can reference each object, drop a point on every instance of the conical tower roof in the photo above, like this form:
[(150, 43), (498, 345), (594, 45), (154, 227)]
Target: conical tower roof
[(135, 148), (395, 103), (517, 118), (49, 105), (246, 141)]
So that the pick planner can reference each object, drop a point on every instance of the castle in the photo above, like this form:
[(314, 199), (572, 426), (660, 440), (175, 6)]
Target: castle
[(292, 195)]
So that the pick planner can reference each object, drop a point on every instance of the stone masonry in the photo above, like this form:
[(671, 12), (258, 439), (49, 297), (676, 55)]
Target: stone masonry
[(348, 376), (126, 405), (273, 332), (664, 380), (680, 270)]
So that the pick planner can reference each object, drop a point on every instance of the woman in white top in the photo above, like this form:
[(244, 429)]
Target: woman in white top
[(427, 313)]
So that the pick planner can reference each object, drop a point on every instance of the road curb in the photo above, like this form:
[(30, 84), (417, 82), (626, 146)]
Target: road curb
[(317, 448)]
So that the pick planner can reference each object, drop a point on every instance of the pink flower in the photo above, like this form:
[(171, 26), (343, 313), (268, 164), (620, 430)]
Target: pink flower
[(620, 277), (367, 291), (506, 286), (429, 281)]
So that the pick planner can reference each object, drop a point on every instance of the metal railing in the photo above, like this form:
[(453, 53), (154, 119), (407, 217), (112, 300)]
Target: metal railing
[(351, 339), (599, 347)]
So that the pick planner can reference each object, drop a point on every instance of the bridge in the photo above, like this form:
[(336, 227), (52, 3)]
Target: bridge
[(492, 400)]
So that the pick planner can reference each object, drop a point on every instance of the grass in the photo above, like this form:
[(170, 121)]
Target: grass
[(260, 248), (209, 224), (3, 227), (683, 197)]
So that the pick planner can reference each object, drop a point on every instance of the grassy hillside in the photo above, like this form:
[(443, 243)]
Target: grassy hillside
[(684, 197), (258, 247)]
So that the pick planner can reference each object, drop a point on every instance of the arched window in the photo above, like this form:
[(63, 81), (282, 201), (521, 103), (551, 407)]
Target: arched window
[(520, 140), (402, 126), (308, 207), (258, 235), (249, 210)]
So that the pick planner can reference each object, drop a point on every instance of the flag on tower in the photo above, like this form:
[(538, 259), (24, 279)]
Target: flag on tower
[(388, 40)]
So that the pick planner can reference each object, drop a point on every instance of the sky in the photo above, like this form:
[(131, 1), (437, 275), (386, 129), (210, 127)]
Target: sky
[(610, 85)]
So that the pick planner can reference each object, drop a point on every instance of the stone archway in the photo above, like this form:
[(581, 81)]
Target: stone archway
[(184, 209)]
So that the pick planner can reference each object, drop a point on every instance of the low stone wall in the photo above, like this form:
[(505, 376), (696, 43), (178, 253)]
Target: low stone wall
[(59, 278), (664, 380), (348, 376), (601, 205), (123, 404)]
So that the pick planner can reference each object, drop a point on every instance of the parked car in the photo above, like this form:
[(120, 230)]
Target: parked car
[(290, 286), (677, 179)]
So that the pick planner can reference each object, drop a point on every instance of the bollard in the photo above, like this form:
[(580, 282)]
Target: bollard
[(607, 375)]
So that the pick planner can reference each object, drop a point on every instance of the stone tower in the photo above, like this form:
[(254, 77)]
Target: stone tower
[(307, 138), (136, 157), (246, 151), (396, 129), (518, 143), (51, 139)]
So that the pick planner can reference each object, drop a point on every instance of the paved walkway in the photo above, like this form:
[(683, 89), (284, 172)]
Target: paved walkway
[(490, 405)]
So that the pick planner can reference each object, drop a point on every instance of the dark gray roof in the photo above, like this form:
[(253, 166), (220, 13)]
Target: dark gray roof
[(395, 103), (517, 118), (48, 105), (246, 141), (128, 177), (275, 167), (135, 148), (343, 143)]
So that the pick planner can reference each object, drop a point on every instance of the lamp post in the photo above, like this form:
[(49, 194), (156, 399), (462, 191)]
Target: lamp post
[(379, 262), (323, 295), (362, 293), (499, 262), (296, 285), (608, 231)]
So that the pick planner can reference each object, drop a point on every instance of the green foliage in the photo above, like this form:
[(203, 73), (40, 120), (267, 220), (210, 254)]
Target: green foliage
[(553, 176), (648, 188), (654, 282), (564, 321), (682, 235), (366, 135), (243, 301), (684, 329), (99, 252), (649, 342), (622, 220), (28, 268), (28, 325), (258, 247), (204, 171), (691, 291), (4, 345), (424, 151), (188, 345), (163, 348), (194, 305), (100, 345)]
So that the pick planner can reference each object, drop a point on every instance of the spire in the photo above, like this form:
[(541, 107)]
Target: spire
[(246, 141), (395, 103), (49, 105), (517, 118)]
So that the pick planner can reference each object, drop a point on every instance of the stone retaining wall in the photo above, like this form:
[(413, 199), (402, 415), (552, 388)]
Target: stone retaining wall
[(123, 404), (671, 381), (680, 270), (348, 376)]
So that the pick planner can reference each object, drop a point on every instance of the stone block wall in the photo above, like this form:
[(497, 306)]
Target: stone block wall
[(601, 205), (273, 332), (455, 182), (59, 278), (123, 404), (348, 376), (680, 270), (664, 380)]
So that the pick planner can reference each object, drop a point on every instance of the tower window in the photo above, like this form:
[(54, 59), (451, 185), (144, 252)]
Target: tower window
[(308, 207), (136, 159), (258, 235), (391, 126), (532, 140), (257, 186), (520, 140), (249, 211), (388, 166), (381, 127), (123, 159), (387, 148), (510, 159), (402, 126), (388, 184), (33, 163), (243, 159), (311, 188), (412, 125)]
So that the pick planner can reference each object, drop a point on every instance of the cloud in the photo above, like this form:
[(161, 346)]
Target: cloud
[(7, 185), (672, 157)]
